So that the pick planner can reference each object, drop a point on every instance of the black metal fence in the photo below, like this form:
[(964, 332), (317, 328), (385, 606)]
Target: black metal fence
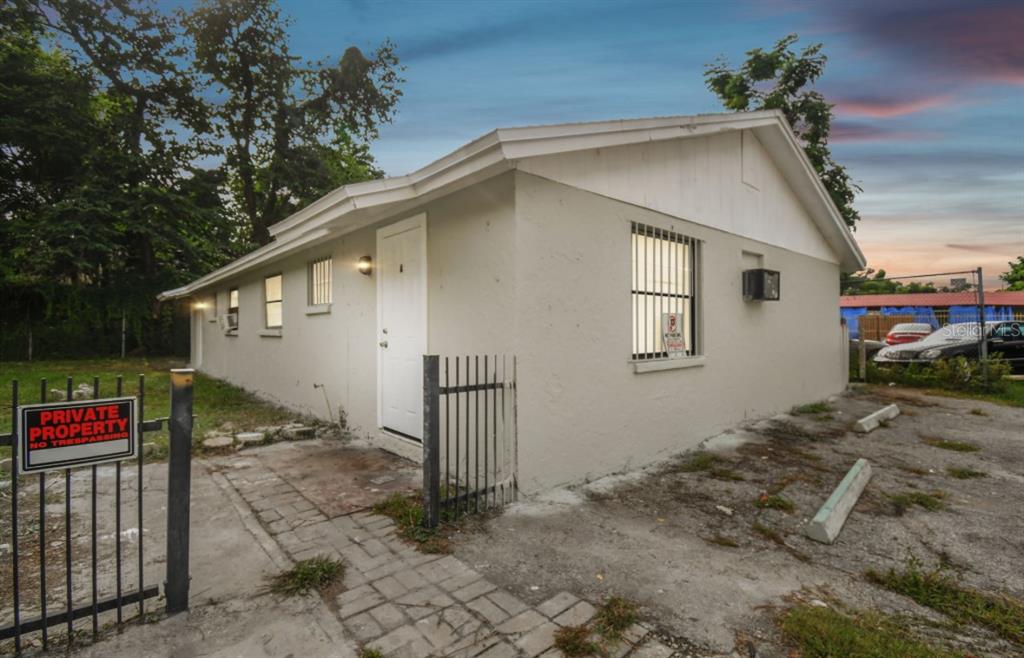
[(125, 593), (469, 434)]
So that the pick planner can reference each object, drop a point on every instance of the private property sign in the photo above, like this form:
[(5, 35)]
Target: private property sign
[(65, 434)]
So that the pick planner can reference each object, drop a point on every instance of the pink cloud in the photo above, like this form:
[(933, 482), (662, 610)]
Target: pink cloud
[(885, 108), (959, 41)]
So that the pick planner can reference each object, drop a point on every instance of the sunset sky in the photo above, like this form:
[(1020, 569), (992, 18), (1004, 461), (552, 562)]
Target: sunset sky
[(929, 95)]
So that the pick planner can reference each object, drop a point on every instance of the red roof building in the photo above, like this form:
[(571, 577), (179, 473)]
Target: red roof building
[(934, 299)]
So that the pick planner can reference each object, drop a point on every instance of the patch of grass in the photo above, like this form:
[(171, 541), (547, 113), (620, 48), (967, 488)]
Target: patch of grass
[(949, 444), (931, 501), (964, 473), (408, 514), (776, 501), (217, 403), (575, 641), (913, 470), (701, 461), (1011, 394), (785, 430), (978, 412), (614, 616), (722, 540), (821, 632), (370, 653), (313, 574), (811, 409), (726, 474), (936, 589), (769, 534)]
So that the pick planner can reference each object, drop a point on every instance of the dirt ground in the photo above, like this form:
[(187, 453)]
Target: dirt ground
[(711, 568)]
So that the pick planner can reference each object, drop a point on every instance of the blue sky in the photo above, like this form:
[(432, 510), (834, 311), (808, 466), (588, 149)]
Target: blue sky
[(929, 95)]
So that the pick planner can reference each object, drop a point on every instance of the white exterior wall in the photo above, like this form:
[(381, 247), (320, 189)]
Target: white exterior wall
[(583, 411), (470, 279), (537, 263), (725, 181)]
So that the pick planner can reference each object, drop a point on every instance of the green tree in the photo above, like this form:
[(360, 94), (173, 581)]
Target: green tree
[(100, 207), (1014, 277), (780, 79), (291, 131)]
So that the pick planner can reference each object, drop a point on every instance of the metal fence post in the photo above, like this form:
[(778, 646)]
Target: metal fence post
[(862, 353), (983, 346), (179, 482), (431, 439)]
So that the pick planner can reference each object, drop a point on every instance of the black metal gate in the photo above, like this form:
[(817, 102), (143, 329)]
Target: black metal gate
[(469, 434), (125, 595)]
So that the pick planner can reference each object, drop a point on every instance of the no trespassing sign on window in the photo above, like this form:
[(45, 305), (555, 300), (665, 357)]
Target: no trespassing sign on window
[(65, 434)]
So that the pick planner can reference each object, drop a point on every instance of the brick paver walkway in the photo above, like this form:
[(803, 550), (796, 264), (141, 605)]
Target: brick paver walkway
[(406, 603)]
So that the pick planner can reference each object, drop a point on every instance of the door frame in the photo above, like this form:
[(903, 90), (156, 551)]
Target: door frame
[(416, 221)]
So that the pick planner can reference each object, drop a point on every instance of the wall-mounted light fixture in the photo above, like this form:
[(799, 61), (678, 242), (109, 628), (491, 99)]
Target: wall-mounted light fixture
[(365, 265), (200, 306)]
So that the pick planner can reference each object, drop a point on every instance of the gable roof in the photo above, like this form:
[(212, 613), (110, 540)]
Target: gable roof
[(354, 206), (992, 298)]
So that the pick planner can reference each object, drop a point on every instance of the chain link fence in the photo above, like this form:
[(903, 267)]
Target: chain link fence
[(927, 319)]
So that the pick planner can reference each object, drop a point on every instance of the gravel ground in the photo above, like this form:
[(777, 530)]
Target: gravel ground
[(711, 568)]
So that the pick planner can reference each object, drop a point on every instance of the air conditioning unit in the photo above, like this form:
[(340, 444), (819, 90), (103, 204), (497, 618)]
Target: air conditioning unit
[(761, 285), (228, 322)]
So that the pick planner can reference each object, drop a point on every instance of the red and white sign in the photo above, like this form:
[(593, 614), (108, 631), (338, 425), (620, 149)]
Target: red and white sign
[(672, 334), (66, 434)]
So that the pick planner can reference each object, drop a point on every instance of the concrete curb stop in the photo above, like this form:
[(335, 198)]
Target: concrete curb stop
[(873, 420), (829, 520)]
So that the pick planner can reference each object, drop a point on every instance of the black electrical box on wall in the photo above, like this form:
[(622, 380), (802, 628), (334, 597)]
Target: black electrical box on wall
[(761, 285)]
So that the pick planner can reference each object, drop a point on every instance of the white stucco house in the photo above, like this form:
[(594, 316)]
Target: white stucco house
[(568, 246)]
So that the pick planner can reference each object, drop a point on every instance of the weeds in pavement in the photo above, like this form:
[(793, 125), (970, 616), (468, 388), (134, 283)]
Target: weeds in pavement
[(313, 574), (702, 461), (602, 633), (726, 474), (775, 501), (575, 641), (821, 632), (931, 501), (614, 616), (370, 653), (811, 409), (408, 514), (938, 590), (722, 540), (769, 534), (949, 444), (964, 473)]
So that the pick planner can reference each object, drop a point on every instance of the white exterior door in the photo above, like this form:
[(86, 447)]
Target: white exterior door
[(402, 324)]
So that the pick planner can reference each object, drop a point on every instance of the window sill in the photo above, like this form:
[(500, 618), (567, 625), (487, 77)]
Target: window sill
[(270, 333), (318, 309), (657, 365), (232, 332)]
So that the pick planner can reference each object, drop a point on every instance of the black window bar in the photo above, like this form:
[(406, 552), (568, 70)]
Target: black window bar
[(664, 280)]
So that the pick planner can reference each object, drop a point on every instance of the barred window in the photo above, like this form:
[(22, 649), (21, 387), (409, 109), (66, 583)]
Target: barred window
[(664, 292), (273, 298), (318, 278)]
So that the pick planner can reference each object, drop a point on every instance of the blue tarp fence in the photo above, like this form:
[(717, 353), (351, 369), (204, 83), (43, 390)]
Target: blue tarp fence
[(927, 314)]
